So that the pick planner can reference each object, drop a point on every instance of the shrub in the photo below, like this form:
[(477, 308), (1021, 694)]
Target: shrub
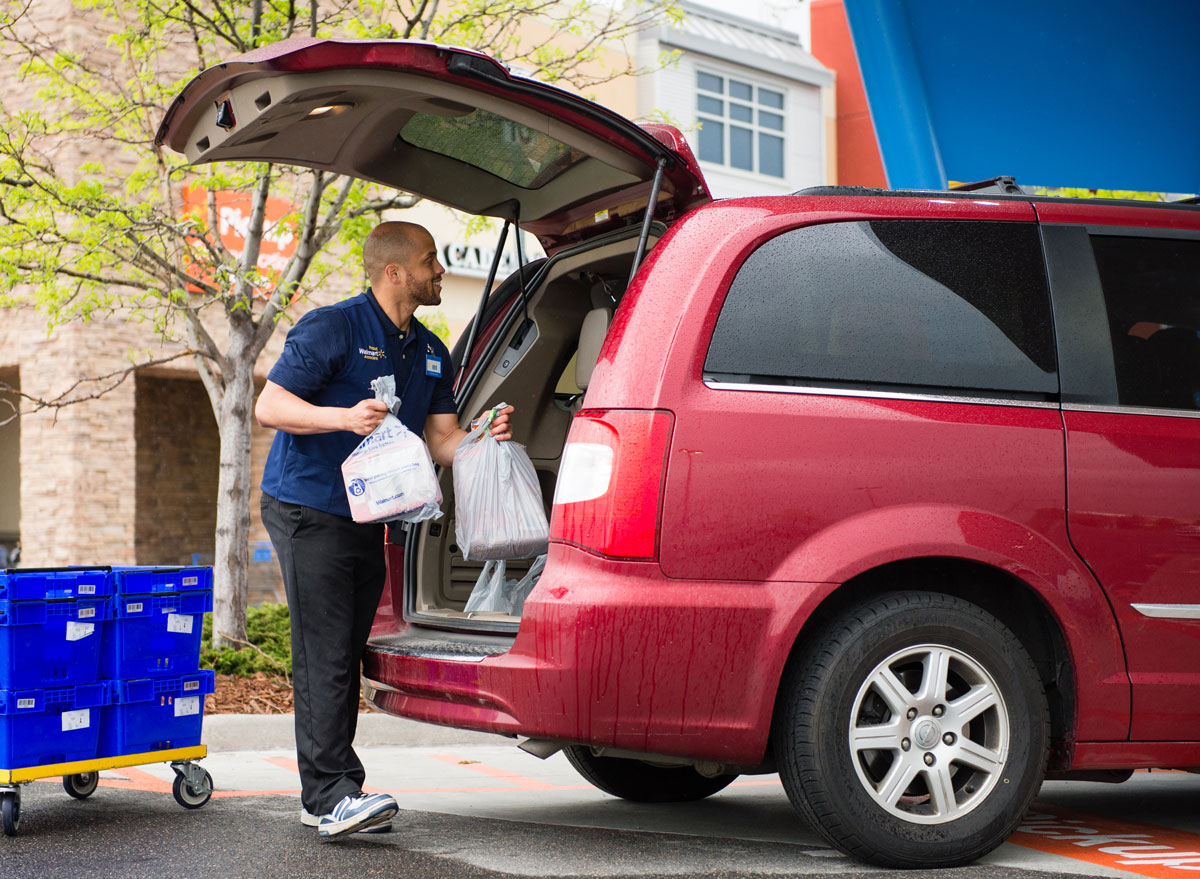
[(268, 629)]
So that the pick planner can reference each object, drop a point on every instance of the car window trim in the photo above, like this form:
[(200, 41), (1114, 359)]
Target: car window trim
[(716, 384), (1114, 409), (1086, 372)]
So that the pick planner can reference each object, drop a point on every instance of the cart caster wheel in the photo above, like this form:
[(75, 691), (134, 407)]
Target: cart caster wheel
[(190, 797), (82, 785), (10, 813)]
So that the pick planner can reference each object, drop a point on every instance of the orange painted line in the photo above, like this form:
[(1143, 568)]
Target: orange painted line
[(136, 779), (284, 763), (520, 782), (1131, 846), (224, 794), (774, 782)]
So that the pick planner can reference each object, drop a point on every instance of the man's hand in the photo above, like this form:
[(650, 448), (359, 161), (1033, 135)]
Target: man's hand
[(442, 433), (501, 429), (279, 408), (365, 416)]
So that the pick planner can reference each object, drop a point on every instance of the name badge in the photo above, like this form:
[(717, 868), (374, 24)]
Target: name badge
[(433, 366)]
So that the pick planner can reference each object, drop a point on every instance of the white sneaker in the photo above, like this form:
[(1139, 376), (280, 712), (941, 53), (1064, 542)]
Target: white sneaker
[(360, 813), (308, 819)]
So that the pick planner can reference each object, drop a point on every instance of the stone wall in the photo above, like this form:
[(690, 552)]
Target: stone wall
[(177, 449)]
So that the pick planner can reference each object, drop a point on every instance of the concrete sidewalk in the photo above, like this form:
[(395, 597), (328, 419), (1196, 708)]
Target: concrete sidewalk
[(272, 732)]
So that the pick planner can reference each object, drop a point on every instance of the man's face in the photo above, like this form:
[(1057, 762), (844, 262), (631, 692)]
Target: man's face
[(423, 274)]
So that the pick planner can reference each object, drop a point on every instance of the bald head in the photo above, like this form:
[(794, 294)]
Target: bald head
[(393, 243)]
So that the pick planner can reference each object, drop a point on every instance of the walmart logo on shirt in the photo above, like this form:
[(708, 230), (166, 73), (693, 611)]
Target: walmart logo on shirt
[(372, 352)]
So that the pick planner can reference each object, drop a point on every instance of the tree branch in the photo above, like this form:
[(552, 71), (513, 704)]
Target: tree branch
[(113, 379)]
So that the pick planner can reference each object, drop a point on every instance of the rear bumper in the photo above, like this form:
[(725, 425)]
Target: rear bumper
[(612, 653)]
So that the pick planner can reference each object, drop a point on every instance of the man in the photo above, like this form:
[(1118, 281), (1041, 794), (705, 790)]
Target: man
[(318, 397)]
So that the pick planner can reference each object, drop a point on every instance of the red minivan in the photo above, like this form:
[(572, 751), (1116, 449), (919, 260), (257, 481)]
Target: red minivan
[(896, 494)]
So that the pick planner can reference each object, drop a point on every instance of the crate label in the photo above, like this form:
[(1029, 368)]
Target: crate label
[(26, 703), (80, 719), (191, 685), (187, 705), (136, 607), (79, 631), (169, 610), (86, 612), (191, 581), (87, 589), (180, 622)]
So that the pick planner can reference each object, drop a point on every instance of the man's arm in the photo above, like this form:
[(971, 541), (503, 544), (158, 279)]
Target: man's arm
[(279, 408), (442, 434)]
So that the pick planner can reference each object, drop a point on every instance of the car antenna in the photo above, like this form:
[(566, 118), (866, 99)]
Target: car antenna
[(651, 204), (487, 289)]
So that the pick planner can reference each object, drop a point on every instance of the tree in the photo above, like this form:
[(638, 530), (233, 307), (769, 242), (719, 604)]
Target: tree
[(93, 221)]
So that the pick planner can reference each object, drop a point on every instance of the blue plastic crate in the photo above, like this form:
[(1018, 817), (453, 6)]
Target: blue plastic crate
[(51, 643), (153, 635), (154, 714), (42, 727), (156, 580), (52, 584)]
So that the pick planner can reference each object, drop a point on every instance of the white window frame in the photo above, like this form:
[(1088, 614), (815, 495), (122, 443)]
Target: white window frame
[(727, 120)]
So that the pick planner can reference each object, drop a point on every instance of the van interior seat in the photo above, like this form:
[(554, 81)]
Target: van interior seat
[(591, 337)]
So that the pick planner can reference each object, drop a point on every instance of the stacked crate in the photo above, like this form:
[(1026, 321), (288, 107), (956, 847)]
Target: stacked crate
[(150, 658), (100, 662), (51, 695)]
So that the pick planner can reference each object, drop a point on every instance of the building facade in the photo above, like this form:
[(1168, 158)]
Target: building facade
[(130, 477)]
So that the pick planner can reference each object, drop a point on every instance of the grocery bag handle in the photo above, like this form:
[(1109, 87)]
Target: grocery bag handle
[(482, 426)]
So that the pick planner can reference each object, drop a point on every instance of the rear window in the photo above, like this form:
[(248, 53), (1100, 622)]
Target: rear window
[(898, 304), (511, 151), (1152, 297)]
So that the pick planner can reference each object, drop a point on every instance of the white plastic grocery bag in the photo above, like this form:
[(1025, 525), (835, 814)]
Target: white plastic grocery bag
[(390, 477), (493, 592), (497, 500)]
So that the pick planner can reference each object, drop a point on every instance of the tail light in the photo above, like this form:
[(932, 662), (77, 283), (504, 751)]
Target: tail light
[(610, 482)]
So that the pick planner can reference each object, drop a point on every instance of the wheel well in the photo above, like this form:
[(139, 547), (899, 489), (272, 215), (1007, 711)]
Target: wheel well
[(1001, 594)]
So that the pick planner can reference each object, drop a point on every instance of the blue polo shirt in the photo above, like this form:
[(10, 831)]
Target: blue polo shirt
[(330, 358)]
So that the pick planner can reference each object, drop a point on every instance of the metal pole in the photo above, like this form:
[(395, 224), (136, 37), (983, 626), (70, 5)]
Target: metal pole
[(650, 206), (487, 289)]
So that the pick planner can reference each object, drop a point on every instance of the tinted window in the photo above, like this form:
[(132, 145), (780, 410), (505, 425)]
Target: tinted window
[(508, 149), (931, 304), (1152, 296)]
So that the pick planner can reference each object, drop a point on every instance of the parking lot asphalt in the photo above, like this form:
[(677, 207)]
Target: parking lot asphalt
[(475, 805)]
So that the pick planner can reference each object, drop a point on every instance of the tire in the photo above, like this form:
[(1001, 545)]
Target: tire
[(190, 797), (949, 725), (10, 812), (82, 785), (644, 782)]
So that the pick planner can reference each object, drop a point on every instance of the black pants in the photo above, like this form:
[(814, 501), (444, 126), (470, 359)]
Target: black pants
[(334, 570)]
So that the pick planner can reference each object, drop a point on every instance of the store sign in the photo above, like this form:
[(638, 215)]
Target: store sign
[(233, 224), (474, 262)]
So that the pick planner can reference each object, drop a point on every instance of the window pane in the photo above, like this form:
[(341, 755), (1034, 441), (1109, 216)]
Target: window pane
[(769, 98), (770, 120), (500, 146), (933, 304), (740, 90), (1152, 296), (712, 142), (741, 148), (710, 105), (770, 155), (741, 113), (709, 83)]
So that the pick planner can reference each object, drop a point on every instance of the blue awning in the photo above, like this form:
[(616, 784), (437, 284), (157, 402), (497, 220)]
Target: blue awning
[(1099, 94)]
